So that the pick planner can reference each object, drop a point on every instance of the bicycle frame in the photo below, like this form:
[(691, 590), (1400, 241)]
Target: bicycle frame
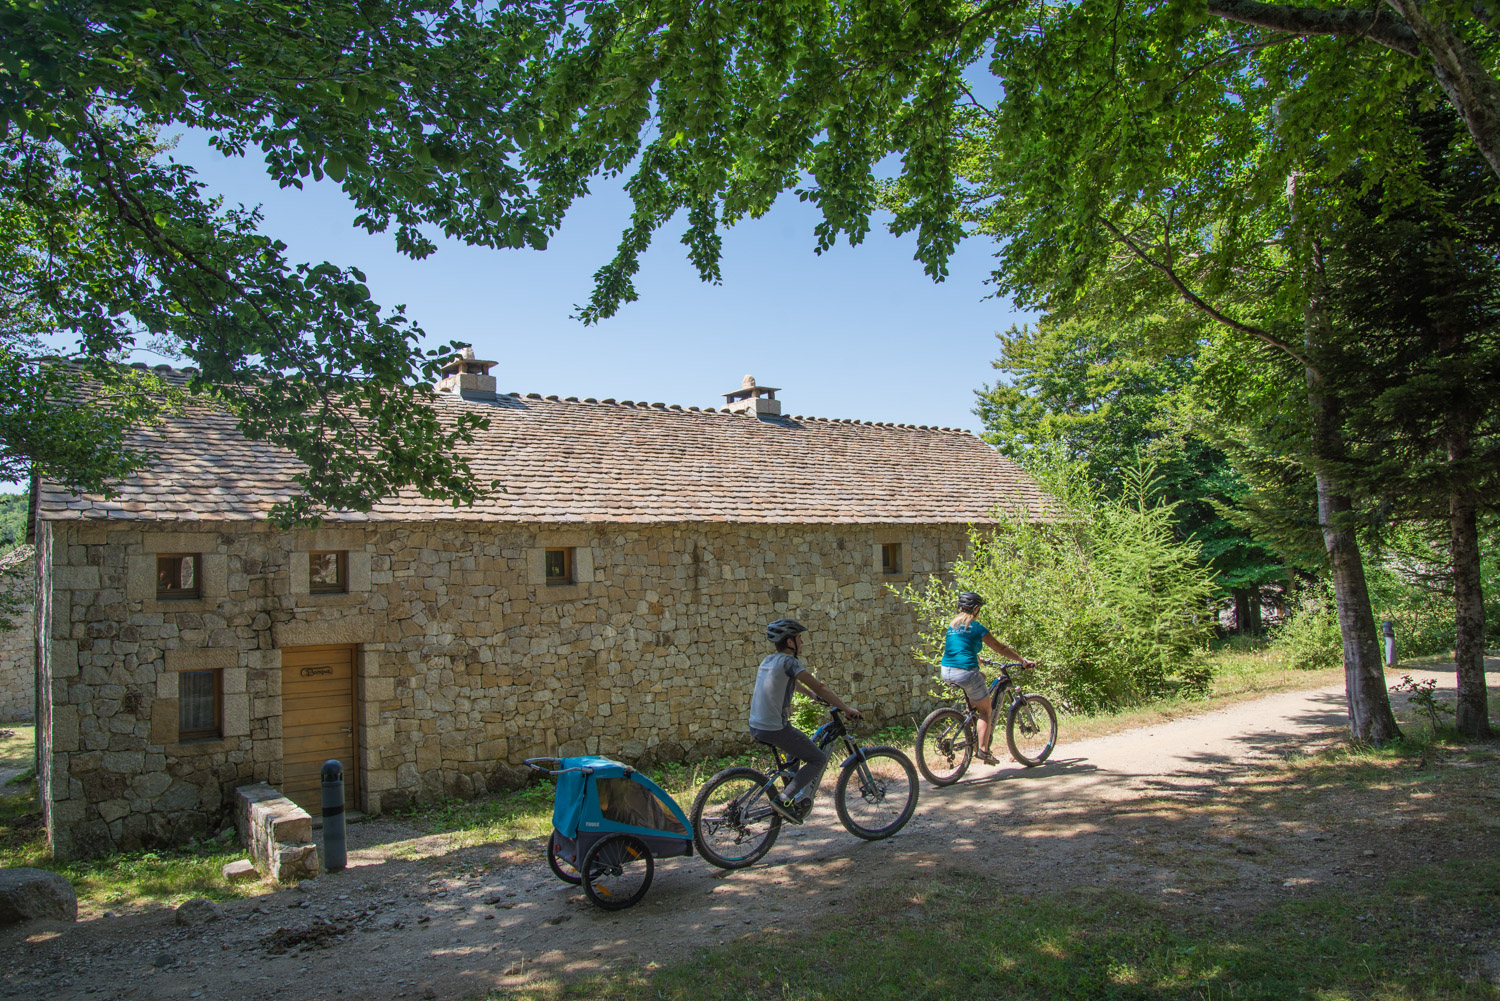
[(825, 735)]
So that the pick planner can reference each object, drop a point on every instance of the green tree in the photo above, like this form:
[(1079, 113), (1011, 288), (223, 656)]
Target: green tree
[(416, 109), (1082, 392), (1418, 284), (13, 514)]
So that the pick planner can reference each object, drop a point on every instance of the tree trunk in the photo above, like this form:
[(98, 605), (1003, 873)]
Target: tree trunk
[(1473, 718), (1370, 716), (1241, 610), (1461, 73), (1256, 626)]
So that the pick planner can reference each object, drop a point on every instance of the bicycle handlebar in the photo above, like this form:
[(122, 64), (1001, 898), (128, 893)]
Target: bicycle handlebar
[(533, 764)]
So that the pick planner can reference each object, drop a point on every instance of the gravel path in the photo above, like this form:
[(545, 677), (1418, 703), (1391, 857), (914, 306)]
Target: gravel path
[(457, 925)]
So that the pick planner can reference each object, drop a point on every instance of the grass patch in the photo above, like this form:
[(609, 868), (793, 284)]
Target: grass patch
[(126, 880), (19, 749), (123, 881), (955, 939)]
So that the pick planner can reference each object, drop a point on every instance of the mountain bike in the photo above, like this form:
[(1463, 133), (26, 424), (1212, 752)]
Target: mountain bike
[(734, 823), (947, 737)]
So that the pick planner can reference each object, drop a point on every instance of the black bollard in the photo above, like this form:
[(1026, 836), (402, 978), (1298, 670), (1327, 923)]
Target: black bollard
[(335, 855)]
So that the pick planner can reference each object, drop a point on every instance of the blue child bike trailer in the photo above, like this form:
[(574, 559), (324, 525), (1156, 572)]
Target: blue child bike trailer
[(608, 823)]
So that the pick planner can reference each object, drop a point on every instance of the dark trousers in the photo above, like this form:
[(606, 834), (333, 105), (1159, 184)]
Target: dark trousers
[(796, 744)]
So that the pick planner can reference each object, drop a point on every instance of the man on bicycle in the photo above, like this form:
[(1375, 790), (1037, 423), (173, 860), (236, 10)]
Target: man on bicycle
[(770, 715), (960, 665)]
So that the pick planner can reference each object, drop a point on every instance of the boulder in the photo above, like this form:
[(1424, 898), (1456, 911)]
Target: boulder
[(240, 872), (31, 894), (198, 911)]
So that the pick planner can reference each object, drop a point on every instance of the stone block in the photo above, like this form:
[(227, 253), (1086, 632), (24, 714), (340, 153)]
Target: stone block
[(202, 659), (359, 571), (236, 720), (76, 578), (240, 871), (164, 718), (179, 542), (64, 660), (277, 832), (64, 728)]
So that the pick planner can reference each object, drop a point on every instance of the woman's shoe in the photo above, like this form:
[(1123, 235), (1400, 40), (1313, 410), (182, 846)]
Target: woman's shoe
[(986, 757)]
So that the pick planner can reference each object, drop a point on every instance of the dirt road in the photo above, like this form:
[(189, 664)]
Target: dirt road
[(456, 925)]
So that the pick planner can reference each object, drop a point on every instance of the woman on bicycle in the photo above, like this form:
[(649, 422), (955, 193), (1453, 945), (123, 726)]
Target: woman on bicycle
[(960, 665)]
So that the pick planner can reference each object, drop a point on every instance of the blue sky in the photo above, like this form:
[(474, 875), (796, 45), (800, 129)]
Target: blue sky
[(856, 333)]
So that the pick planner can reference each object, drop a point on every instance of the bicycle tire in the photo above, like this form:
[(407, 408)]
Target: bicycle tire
[(1023, 717), (727, 825), (561, 867), (617, 871), (951, 742), (879, 770)]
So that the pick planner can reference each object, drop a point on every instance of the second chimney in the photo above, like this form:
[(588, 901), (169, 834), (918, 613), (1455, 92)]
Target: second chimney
[(759, 401)]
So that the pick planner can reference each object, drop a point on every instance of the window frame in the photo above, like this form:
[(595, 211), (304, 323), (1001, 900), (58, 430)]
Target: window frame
[(215, 732), (569, 574), (890, 558), (195, 593), (342, 585)]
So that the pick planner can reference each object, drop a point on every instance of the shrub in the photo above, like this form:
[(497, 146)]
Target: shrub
[(1309, 638), (1105, 596)]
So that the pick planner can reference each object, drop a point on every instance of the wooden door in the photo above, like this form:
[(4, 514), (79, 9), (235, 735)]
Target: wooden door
[(317, 722)]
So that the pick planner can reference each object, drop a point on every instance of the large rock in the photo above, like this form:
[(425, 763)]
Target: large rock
[(31, 894), (197, 911)]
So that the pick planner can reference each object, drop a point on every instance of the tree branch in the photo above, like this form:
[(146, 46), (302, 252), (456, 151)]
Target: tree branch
[(1289, 20), (1198, 303)]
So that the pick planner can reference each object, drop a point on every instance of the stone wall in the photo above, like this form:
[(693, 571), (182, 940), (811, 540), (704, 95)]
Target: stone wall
[(18, 644), (468, 660)]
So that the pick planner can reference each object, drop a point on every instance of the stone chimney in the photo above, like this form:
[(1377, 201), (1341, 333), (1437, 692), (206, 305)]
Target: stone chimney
[(468, 377), (760, 401)]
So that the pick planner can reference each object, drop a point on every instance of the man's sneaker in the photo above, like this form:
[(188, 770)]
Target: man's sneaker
[(787, 808)]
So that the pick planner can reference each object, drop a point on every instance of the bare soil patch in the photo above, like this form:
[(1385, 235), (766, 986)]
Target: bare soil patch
[(1212, 813)]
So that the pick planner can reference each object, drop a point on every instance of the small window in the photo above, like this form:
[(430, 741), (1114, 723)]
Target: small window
[(559, 564), (198, 702), (890, 557), (328, 573), (177, 576)]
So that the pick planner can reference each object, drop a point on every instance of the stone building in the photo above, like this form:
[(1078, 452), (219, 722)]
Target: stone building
[(18, 643), (611, 600)]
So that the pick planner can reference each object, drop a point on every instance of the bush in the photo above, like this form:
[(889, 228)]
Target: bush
[(1310, 638), (1106, 596)]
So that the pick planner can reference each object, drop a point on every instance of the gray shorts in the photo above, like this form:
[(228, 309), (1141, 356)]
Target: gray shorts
[(972, 682)]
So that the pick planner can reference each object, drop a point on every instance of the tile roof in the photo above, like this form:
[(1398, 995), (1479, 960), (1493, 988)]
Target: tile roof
[(571, 460)]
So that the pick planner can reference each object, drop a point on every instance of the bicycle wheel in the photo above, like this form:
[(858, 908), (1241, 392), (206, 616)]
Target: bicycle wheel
[(877, 793), (944, 747), (1031, 730), (617, 871), (733, 824), (561, 867)]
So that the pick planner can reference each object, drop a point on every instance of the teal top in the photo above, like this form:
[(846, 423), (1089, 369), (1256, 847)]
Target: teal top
[(961, 647)]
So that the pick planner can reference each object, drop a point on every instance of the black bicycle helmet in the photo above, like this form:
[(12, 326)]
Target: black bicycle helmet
[(784, 629), (969, 601)]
